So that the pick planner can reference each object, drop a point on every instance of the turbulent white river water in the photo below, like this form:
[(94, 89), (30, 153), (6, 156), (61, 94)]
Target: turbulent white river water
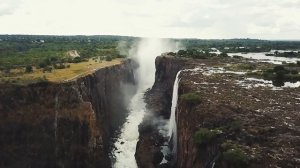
[(144, 54), (126, 143)]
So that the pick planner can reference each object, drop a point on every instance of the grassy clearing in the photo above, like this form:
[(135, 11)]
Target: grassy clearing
[(76, 70)]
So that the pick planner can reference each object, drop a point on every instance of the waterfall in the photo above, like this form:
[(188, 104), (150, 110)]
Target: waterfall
[(171, 147), (172, 123), (144, 55)]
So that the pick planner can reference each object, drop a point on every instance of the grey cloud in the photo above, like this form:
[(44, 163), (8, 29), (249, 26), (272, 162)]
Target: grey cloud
[(8, 7), (192, 18)]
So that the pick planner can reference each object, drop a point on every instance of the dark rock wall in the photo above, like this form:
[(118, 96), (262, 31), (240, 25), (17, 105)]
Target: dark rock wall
[(63, 125), (246, 129), (159, 101), (159, 98)]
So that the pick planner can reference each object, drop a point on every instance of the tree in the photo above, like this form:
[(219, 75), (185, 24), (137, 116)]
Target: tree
[(108, 58), (42, 64), (181, 52), (223, 54), (28, 69)]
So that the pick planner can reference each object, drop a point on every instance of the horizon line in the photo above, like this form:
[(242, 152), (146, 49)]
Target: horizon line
[(118, 35)]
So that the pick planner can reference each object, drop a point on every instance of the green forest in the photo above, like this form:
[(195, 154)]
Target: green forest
[(23, 50), (34, 50)]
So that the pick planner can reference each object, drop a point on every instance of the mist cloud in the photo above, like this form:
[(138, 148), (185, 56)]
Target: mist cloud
[(144, 53)]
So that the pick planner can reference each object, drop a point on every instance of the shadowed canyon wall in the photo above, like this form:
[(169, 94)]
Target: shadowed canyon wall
[(64, 124)]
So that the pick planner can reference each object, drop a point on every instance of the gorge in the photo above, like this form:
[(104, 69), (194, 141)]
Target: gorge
[(126, 115)]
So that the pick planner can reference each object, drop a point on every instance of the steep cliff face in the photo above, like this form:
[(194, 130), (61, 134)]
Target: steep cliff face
[(220, 122), (230, 125), (158, 99), (63, 125), (160, 96)]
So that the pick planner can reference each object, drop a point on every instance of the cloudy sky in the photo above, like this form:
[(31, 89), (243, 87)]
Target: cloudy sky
[(263, 19)]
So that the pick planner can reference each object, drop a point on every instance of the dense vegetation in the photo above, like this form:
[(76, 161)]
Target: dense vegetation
[(23, 50), (28, 53), (289, 54), (278, 74), (231, 153), (204, 136), (198, 54), (190, 98)]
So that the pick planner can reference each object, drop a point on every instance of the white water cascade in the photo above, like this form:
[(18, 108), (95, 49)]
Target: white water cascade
[(126, 143), (144, 55), (172, 123)]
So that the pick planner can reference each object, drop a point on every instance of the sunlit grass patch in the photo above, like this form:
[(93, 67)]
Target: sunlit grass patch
[(57, 75)]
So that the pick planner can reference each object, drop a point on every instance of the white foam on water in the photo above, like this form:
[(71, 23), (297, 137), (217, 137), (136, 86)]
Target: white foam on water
[(144, 54)]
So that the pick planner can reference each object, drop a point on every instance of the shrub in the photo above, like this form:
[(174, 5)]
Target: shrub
[(203, 136), (280, 74), (235, 158), (108, 58), (190, 98), (237, 57), (228, 144), (181, 52), (254, 74), (77, 60), (278, 68), (223, 54), (235, 126), (268, 75), (28, 69), (294, 72), (278, 82), (47, 69), (293, 77), (42, 64), (53, 59), (121, 56), (59, 66), (172, 53), (247, 66)]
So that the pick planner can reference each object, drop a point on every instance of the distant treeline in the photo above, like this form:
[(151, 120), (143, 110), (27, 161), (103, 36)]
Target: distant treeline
[(23, 50), (241, 45)]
